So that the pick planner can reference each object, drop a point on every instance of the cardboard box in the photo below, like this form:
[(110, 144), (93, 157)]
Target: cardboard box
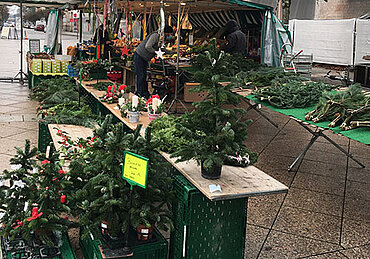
[(37, 66), (191, 96), (46, 66), (55, 66), (64, 66)]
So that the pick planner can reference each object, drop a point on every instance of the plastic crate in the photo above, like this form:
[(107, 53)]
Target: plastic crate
[(65, 250), (155, 250), (71, 72), (206, 229), (44, 136)]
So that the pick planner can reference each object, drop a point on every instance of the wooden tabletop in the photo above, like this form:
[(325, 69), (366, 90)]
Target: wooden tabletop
[(235, 182), (113, 108)]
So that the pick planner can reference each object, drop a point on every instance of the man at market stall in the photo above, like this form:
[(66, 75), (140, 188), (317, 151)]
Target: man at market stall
[(236, 39), (144, 53)]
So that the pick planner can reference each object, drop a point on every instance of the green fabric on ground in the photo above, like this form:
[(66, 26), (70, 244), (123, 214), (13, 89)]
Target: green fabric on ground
[(360, 134)]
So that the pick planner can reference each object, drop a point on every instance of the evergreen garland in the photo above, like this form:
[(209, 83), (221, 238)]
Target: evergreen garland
[(292, 93)]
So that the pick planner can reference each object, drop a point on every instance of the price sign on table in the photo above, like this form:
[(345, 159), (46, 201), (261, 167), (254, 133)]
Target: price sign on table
[(135, 169)]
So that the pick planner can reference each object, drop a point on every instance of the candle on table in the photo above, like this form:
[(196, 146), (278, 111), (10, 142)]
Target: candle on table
[(135, 101)]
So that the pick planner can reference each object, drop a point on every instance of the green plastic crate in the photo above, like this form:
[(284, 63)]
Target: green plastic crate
[(155, 250), (66, 250), (206, 229), (44, 136)]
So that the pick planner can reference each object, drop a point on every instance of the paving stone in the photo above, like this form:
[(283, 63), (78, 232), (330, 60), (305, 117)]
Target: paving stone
[(7, 145), (25, 125), (333, 255), (8, 117), (327, 147), (29, 134), (358, 252), (323, 168), (318, 183), (262, 126), (283, 245), (8, 109), (357, 190), (4, 162), (290, 148), (6, 130), (29, 117), (360, 151), (8, 102), (254, 240), (358, 174), (357, 209), (324, 156), (308, 224), (257, 142), (365, 162), (314, 201), (262, 210), (26, 105), (355, 233), (339, 139)]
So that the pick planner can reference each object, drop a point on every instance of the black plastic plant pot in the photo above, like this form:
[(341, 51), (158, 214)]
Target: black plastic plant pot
[(211, 173), (50, 252)]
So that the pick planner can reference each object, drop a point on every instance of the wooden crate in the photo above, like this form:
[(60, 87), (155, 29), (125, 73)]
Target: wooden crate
[(191, 96)]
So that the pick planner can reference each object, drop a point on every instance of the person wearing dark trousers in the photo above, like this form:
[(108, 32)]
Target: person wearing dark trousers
[(236, 39), (143, 54)]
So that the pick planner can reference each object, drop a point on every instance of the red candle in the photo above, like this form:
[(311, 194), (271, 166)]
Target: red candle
[(63, 198), (35, 211)]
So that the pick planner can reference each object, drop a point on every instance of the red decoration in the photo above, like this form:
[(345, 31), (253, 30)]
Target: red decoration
[(109, 88), (63, 198), (45, 162), (62, 171), (17, 224), (35, 214), (124, 51)]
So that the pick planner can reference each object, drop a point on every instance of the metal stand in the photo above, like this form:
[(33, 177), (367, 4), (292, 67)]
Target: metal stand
[(315, 136), (20, 73), (127, 250), (176, 98), (255, 107)]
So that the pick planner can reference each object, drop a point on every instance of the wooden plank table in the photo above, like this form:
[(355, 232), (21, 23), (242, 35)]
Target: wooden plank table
[(235, 182)]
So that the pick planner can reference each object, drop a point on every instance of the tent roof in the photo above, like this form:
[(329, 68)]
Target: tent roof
[(41, 3), (195, 6)]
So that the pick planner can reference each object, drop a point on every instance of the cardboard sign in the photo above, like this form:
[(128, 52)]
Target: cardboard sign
[(135, 169)]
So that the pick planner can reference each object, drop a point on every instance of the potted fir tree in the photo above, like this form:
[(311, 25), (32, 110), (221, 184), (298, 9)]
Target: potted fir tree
[(103, 199), (34, 202), (214, 130)]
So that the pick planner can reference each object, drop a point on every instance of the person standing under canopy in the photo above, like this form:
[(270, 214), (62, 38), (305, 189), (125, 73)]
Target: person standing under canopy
[(143, 54), (236, 39)]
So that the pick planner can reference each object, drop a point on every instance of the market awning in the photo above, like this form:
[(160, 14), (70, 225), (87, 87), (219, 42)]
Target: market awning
[(41, 3)]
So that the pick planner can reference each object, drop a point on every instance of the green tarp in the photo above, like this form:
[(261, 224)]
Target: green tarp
[(360, 134)]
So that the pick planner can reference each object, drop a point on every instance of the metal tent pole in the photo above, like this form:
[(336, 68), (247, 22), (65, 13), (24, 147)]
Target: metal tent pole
[(21, 73), (177, 86)]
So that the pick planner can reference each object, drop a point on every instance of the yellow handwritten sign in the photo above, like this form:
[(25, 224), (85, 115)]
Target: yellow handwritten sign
[(135, 169)]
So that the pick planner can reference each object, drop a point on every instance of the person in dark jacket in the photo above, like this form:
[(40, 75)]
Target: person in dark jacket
[(236, 39), (143, 54)]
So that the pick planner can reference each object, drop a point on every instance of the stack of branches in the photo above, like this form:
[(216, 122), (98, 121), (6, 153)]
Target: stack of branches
[(351, 108), (292, 92)]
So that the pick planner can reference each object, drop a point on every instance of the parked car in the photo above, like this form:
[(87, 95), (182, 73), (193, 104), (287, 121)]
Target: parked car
[(40, 26)]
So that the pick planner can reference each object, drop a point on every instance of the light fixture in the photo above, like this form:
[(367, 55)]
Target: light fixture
[(183, 3)]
